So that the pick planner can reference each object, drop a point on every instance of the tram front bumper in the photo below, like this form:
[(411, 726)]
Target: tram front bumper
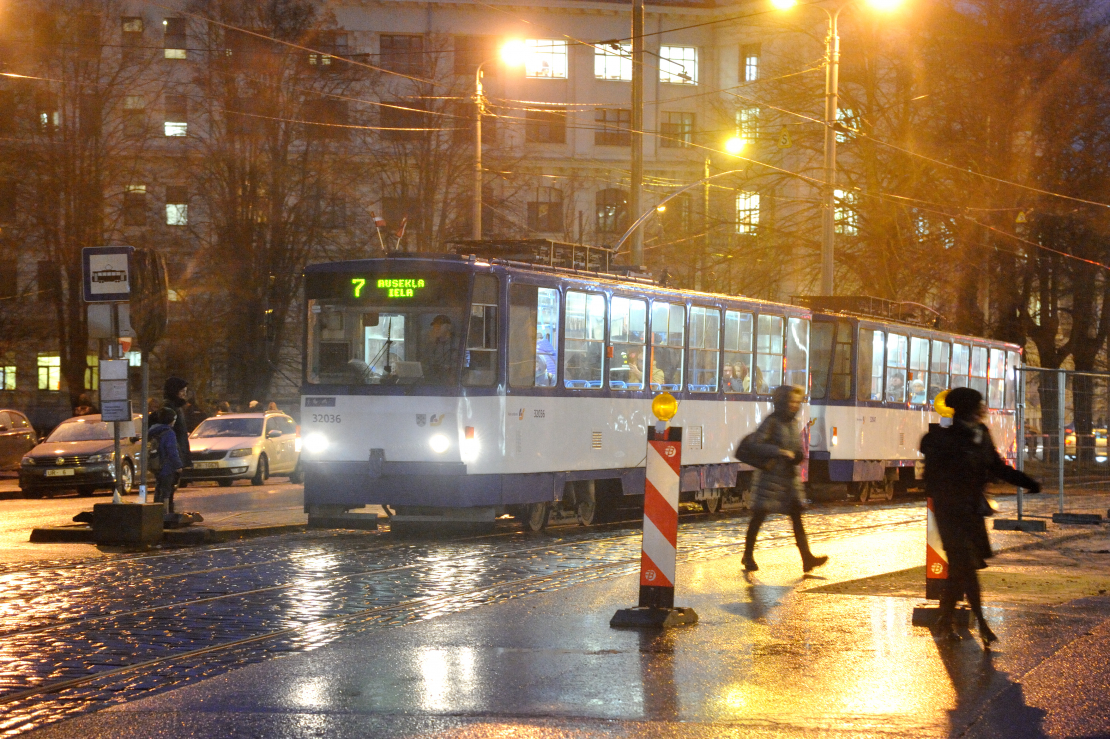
[(377, 482)]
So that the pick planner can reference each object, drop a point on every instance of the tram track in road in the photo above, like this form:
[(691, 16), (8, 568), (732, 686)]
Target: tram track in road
[(174, 667)]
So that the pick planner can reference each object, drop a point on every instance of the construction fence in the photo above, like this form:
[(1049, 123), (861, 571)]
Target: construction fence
[(1062, 441)]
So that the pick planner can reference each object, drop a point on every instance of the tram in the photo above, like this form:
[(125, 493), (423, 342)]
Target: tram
[(517, 379)]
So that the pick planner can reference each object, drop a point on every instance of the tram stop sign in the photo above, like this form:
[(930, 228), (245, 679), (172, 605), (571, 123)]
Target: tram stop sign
[(107, 273)]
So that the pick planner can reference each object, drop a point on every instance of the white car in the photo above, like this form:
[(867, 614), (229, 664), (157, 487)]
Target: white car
[(245, 446)]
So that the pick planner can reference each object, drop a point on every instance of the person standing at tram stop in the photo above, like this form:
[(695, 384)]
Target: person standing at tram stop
[(777, 486), (169, 457), (176, 393), (959, 462)]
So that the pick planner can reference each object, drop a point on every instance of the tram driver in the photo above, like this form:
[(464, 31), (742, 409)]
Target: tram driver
[(441, 351)]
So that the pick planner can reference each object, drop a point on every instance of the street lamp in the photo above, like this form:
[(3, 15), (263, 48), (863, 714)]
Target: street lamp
[(513, 53), (832, 73)]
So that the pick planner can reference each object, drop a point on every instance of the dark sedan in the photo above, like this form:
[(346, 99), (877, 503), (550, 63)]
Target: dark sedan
[(16, 438), (78, 455)]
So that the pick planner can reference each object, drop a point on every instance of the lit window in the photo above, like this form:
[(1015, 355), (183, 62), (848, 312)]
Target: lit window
[(92, 372), (177, 206), (747, 212), (546, 58), (174, 38), (134, 359), (747, 124), (749, 62), (846, 217), (50, 372), (676, 130), (678, 65), (7, 377), (177, 115), (613, 64), (134, 205)]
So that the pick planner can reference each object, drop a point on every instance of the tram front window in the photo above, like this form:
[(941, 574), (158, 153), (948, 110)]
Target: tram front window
[(371, 335)]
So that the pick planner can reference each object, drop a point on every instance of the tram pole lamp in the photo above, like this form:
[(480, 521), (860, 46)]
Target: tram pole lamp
[(513, 53), (832, 74)]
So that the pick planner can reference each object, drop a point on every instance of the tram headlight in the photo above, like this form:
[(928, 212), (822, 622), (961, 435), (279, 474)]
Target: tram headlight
[(439, 443), (315, 443)]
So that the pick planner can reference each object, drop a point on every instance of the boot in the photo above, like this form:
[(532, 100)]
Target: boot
[(811, 561), (986, 635), (749, 562)]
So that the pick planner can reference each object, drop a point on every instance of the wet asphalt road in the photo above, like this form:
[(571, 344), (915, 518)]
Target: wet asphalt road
[(79, 634)]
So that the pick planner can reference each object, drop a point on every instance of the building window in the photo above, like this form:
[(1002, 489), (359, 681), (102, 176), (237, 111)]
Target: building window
[(177, 206), (134, 115), (175, 38), (747, 212), (403, 117), (613, 62), (134, 205), (326, 45), (329, 118), (676, 130), (749, 62), (90, 109), (131, 31), (470, 51), (50, 372), (403, 54), (612, 210), (613, 127), (47, 280), (177, 115), (92, 371), (545, 213), (9, 278), (7, 377), (747, 124), (846, 217), (675, 217), (678, 65), (546, 58), (545, 126), (46, 108)]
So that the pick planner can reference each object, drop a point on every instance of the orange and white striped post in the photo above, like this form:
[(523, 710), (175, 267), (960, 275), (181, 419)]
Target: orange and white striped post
[(660, 537), (936, 561)]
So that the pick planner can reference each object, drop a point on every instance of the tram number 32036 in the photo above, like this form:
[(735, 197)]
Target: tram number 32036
[(326, 418)]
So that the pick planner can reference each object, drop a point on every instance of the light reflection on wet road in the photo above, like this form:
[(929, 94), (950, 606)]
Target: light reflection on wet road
[(79, 620)]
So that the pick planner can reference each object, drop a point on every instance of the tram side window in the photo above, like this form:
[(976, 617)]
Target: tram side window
[(938, 368), (797, 353), (585, 340), (481, 336), (869, 365), (961, 360), (533, 334), (627, 333), (668, 333), (842, 362), (996, 375), (705, 346), (978, 379), (768, 353), (737, 373), (1013, 361), (918, 370), (821, 351)]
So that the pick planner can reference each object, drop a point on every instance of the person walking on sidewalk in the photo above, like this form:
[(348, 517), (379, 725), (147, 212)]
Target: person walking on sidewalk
[(777, 486), (169, 464), (959, 462)]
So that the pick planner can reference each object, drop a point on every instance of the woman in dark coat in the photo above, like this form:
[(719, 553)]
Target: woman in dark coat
[(959, 462), (777, 486)]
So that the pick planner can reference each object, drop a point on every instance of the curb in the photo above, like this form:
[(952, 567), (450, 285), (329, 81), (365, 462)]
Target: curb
[(252, 532), (190, 536)]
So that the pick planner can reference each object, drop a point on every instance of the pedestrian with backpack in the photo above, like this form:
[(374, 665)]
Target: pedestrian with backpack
[(164, 457), (775, 450)]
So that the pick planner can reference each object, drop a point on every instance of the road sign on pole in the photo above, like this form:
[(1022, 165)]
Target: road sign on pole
[(107, 273)]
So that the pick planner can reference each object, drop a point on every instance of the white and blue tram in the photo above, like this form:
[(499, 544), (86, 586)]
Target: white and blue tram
[(454, 388)]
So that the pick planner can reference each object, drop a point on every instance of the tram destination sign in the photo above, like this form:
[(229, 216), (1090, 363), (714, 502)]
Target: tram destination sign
[(379, 289), (389, 287)]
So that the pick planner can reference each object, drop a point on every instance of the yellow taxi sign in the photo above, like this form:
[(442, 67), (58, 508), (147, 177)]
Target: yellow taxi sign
[(664, 406), (941, 407)]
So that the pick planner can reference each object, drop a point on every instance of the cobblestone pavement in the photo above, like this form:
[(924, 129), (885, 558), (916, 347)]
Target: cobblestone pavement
[(77, 635)]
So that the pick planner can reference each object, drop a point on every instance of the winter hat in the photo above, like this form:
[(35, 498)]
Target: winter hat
[(964, 401), (173, 386), (780, 396)]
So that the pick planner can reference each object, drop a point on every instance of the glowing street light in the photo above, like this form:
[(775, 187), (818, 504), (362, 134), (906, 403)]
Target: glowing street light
[(832, 73), (735, 145), (513, 53)]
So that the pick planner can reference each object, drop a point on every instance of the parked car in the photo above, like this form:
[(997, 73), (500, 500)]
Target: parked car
[(79, 455), (245, 446), (17, 437)]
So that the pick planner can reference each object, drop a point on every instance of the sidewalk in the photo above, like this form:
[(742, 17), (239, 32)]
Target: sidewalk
[(773, 655)]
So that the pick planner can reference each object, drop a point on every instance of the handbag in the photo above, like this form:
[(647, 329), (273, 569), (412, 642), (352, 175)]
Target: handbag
[(748, 453)]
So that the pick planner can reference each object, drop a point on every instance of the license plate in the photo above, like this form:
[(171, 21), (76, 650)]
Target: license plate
[(60, 473), (206, 465)]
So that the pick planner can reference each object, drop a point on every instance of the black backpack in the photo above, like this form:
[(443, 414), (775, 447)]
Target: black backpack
[(153, 457)]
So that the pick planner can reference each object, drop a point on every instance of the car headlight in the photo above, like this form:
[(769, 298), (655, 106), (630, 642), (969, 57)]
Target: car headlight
[(241, 452), (316, 443), (102, 457), (28, 461), (439, 443)]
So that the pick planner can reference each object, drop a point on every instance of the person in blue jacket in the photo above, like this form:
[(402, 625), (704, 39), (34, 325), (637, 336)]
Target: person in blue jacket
[(169, 456)]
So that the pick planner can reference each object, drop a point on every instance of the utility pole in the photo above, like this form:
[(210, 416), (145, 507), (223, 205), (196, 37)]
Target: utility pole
[(476, 202), (828, 214), (637, 184), (701, 259)]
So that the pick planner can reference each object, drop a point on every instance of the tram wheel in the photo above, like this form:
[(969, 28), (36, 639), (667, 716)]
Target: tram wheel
[(536, 516), (713, 504)]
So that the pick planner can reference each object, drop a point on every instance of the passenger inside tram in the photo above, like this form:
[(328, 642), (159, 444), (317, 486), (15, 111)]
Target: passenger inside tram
[(896, 388), (917, 391), (760, 383)]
